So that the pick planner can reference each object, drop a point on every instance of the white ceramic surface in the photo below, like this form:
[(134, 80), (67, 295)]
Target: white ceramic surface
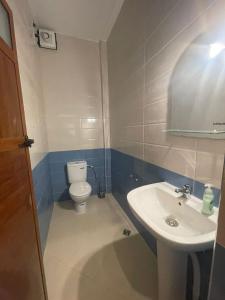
[(153, 203)]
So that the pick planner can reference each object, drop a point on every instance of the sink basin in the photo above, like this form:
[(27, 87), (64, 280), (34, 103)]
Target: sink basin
[(179, 228), (155, 205)]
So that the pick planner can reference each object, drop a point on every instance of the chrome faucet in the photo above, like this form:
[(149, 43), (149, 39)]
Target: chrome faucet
[(185, 190)]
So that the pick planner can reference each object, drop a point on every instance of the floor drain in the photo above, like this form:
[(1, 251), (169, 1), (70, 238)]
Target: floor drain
[(126, 232), (171, 221)]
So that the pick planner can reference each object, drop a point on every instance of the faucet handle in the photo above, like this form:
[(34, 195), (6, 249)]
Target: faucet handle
[(187, 185), (188, 188), (185, 190), (177, 190)]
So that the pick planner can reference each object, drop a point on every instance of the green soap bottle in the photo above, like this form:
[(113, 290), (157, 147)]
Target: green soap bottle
[(208, 199)]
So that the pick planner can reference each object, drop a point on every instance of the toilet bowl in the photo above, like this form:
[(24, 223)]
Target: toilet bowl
[(79, 193), (80, 189)]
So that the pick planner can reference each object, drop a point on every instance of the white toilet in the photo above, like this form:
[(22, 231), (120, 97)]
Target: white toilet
[(80, 189)]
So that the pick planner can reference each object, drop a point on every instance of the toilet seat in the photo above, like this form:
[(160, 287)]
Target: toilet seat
[(80, 189)]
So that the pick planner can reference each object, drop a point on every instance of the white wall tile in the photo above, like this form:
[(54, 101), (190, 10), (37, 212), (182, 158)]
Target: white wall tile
[(139, 121), (29, 67), (134, 133), (72, 91), (183, 14), (209, 168), (155, 112), (156, 134), (157, 89), (181, 161)]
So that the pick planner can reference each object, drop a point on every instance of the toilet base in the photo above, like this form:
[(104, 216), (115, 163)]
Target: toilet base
[(81, 208)]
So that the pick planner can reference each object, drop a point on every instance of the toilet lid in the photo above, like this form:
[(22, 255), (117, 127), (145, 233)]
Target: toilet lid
[(80, 189)]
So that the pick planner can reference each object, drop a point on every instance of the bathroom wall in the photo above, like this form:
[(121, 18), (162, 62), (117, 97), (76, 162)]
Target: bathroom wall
[(29, 67), (73, 91), (143, 48)]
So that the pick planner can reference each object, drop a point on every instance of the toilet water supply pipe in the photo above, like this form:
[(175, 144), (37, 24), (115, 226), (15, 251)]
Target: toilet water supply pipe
[(100, 193)]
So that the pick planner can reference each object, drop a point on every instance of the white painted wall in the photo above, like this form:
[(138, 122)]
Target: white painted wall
[(29, 66)]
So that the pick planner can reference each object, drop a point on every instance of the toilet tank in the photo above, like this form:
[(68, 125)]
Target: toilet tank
[(77, 171)]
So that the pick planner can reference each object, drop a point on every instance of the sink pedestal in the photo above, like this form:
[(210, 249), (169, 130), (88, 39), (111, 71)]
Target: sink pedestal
[(172, 272)]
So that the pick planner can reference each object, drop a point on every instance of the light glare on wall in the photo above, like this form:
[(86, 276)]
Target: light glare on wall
[(216, 49), (91, 120)]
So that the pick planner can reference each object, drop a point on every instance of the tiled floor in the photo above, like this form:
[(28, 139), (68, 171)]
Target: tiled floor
[(88, 258)]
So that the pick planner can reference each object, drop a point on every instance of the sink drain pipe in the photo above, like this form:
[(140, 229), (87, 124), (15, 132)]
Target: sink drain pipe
[(196, 275), (100, 193)]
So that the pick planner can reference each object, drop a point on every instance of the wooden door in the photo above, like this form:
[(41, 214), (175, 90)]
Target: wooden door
[(21, 268)]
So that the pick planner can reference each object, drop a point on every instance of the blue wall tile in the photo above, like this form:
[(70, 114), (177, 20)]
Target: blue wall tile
[(122, 167), (43, 196)]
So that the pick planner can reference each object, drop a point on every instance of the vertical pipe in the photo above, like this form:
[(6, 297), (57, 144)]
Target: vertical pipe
[(102, 192)]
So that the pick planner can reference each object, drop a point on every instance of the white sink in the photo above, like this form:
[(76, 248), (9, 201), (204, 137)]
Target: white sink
[(155, 206)]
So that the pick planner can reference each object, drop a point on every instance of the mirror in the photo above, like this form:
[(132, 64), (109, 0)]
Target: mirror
[(196, 104)]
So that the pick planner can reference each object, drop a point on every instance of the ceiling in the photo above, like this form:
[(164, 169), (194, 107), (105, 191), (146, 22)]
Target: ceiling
[(86, 19)]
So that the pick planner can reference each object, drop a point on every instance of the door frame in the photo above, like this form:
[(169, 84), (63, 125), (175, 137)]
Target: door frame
[(12, 55)]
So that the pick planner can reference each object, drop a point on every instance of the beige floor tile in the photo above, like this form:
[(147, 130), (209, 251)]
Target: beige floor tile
[(87, 256)]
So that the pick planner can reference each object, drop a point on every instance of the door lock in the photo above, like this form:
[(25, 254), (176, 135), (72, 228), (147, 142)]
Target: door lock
[(27, 142)]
